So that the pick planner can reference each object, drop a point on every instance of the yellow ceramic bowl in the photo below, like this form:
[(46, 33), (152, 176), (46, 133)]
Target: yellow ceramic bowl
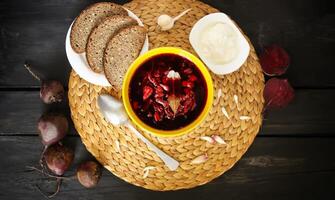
[(138, 62)]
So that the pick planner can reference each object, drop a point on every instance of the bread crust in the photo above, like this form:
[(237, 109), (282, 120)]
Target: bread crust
[(120, 52), (100, 36), (79, 32)]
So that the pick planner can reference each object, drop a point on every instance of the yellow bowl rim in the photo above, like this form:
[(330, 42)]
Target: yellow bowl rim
[(141, 59)]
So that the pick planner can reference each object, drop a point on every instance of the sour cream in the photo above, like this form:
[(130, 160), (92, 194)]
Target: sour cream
[(219, 43)]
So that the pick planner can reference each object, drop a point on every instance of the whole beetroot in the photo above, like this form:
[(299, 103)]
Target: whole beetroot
[(278, 93), (52, 91), (89, 173), (52, 127), (58, 158), (274, 60)]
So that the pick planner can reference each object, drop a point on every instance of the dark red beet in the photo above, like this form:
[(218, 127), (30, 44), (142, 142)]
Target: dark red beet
[(51, 92), (147, 91), (274, 60), (58, 158), (278, 93), (89, 173), (53, 127)]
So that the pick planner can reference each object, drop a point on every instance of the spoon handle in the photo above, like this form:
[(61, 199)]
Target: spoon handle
[(171, 163)]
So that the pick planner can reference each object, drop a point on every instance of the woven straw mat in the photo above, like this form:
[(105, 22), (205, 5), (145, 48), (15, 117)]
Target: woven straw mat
[(118, 149)]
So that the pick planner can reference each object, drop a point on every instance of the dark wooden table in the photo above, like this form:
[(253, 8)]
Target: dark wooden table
[(292, 157)]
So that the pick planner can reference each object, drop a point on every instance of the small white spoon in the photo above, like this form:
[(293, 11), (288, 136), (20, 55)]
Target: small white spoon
[(113, 111)]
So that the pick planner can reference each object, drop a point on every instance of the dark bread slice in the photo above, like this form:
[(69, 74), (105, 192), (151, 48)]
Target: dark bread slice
[(90, 18), (120, 52), (100, 36)]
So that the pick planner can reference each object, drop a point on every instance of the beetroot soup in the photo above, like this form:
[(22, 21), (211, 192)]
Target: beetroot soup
[(168, 92)]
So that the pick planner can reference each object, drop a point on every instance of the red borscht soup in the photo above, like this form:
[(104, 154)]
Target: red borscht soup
[(168, 92)]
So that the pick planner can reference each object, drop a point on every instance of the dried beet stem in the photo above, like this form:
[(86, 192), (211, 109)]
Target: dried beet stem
[(28, 67), (41, 161), (267, 106), (59, 182), (41, 171)]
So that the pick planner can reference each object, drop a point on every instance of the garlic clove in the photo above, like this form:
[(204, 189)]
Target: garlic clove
[(173, 75), (219, 94), (117, 144), (146, 171), (245, 118), (200, 159), (149, 168), (224, 111), (208, 139), (218, 139), (236, 101)]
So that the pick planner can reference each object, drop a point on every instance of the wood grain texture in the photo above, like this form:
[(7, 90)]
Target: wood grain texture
[(25, 108), (310, 114), (35, 30), (273, 168)]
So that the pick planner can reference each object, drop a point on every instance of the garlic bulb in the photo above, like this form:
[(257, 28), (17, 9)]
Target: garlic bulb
[(166, 22)]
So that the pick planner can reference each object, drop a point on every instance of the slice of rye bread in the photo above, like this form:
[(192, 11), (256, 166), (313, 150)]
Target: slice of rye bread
[(120, 52), (100, 36), (90, 18)]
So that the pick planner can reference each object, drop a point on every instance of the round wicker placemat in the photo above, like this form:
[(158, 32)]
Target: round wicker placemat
[(124, 155)]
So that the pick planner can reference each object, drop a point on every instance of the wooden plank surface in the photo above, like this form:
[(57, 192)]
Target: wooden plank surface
[(35, 31), (292, 159), (310, 114), (273, 168), (25, 108)]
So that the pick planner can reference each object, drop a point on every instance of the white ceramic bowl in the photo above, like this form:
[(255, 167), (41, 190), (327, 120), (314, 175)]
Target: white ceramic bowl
[(243, 44), (79, 62)]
